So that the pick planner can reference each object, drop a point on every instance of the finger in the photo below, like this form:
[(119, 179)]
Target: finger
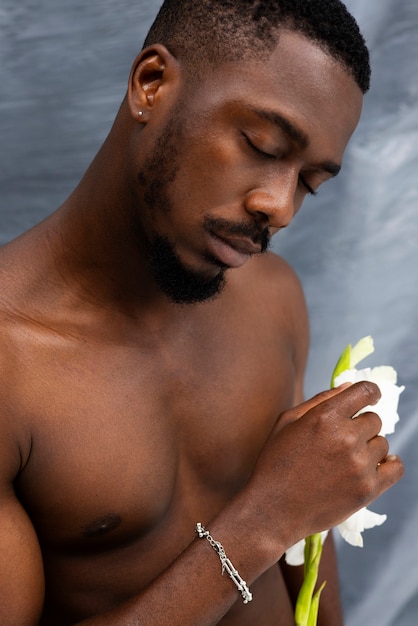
[(380, 448), (350, 400), (354, 398), (390, 470), (370, 424), (305, 406)]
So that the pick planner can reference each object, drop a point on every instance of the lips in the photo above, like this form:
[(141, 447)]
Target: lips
[(245, 246), (231, 251)]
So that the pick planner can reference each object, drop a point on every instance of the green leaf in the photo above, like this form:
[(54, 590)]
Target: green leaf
[(313, 613), (343, 364)]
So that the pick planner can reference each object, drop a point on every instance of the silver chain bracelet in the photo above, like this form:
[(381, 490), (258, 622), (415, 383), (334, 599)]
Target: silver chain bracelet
[(226, 563)]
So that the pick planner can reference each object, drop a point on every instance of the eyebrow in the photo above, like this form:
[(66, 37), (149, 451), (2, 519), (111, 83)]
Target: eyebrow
[(295, 134)]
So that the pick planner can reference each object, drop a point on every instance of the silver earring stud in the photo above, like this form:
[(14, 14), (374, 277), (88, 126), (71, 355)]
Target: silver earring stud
[(140, 113)]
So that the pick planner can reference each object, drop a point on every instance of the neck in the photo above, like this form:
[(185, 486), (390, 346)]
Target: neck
[(96, 236)]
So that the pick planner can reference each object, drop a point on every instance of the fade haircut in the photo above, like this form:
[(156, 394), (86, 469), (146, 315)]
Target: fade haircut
[(211, 31)]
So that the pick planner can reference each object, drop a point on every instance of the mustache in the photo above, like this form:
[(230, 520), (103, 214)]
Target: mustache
[(251, 230)]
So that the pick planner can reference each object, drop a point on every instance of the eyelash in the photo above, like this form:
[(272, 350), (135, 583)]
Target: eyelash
[(267, 155), (308, 188)]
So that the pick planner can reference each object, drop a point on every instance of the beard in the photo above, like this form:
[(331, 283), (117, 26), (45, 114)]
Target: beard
[(178, 281)]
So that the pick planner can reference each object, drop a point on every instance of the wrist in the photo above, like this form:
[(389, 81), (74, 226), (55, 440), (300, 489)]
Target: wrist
[(252, 543), (227, 565)]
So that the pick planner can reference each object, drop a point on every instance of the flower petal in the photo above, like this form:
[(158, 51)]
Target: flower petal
[(384, 374), (363, 348), (295, 555), (352, 528), (387, 407)]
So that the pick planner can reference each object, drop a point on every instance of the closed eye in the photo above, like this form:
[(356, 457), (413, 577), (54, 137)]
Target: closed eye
[(268, 155), (257, 150)]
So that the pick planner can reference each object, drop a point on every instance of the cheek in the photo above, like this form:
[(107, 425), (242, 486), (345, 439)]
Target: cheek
[(214, 171)]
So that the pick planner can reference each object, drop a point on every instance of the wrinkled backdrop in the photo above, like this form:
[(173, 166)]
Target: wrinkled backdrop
[(63, 71)]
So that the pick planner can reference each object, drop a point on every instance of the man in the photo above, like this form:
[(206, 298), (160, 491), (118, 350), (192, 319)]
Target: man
[(152, 357)]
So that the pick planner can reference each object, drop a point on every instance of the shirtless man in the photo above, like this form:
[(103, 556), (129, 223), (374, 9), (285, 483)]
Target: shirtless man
[(152, 359)]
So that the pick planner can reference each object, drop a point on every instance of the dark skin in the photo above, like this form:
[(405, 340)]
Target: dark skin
[(127, 418)]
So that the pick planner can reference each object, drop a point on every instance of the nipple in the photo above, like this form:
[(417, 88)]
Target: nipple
[(102, 525)]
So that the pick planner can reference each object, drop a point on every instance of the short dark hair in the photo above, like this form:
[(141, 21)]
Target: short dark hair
[(215, 30)]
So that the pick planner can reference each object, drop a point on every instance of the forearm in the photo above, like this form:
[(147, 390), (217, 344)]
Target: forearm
[(193, 591)]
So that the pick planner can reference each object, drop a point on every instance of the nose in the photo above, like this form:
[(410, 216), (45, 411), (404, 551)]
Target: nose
[(274, 202)]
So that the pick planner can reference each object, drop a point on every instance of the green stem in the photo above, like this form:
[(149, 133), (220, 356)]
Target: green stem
[(313, 613), (313, 551)]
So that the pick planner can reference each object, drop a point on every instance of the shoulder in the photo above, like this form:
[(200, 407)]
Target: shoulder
[(269, 267), (270, 276), (275, 267), (282, 289), (270, 289)]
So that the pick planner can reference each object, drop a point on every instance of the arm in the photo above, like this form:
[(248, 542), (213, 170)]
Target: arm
[(21, 570)]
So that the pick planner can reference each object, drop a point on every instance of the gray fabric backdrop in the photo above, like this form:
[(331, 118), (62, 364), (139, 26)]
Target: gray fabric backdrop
[(63, 71)]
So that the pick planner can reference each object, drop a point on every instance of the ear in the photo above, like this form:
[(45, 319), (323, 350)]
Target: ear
[(154, 76)]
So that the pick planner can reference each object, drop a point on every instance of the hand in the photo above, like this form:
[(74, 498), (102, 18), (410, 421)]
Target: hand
[(319, 465)]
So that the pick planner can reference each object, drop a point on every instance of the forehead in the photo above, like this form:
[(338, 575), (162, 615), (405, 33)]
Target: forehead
[(298, 80)]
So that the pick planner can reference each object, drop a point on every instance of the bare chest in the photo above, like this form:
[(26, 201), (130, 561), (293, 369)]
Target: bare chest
[(118, 436)]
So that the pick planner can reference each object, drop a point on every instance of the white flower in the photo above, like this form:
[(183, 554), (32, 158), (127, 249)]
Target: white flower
[(352, 528), (385, 378)]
